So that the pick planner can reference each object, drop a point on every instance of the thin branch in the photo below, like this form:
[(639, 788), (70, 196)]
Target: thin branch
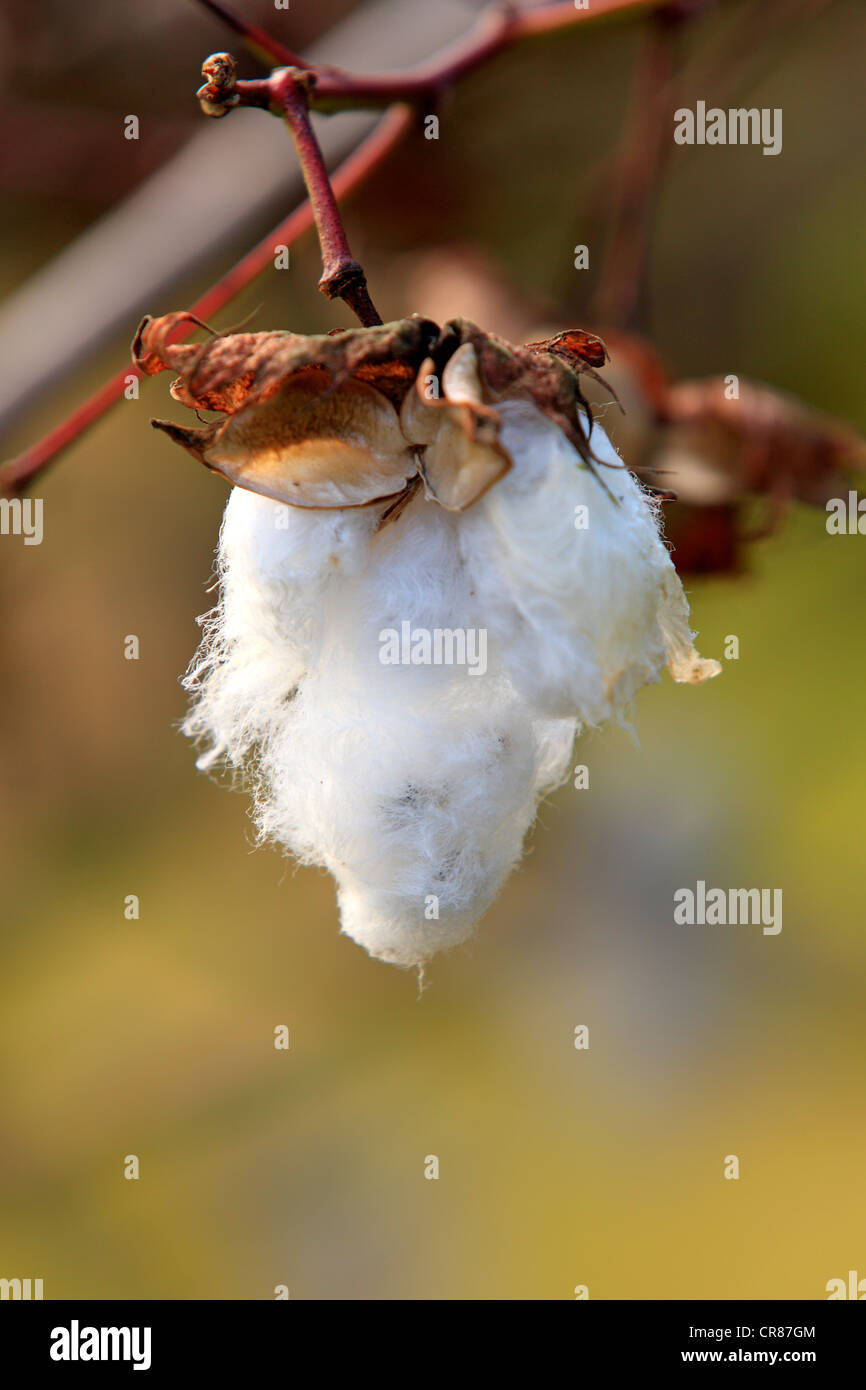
[(645, 147), (291, 91), (29, 466), (756, 36), (269, 51), (286, 93), (499, 26), (643, 150), (342, 276)]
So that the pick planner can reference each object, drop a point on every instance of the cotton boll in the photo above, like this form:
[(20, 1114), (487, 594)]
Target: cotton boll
[(584, 616), (415, 784)]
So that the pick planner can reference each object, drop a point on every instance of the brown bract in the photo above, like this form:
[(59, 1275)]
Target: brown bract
[(715, 449), (717, 452), (358, 416), (761, 441)]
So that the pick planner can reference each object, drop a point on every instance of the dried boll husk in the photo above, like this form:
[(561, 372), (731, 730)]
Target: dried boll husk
[(354, 417)]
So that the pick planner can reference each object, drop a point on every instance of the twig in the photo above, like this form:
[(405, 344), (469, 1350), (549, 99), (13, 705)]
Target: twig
[(286, 92), (268, 50), (499, 26), (643, 149), (291, 91), (342, 276)]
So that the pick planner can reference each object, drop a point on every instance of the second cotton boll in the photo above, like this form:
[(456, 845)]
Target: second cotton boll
[(415, 784)]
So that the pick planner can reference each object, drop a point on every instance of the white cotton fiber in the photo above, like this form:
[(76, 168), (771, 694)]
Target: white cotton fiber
[(415, 785), (573, 578)]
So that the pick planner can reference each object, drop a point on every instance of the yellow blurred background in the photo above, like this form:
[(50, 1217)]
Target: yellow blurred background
[(154, 1037)]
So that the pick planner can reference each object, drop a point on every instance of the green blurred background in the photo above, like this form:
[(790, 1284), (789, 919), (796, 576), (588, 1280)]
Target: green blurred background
[(155, 1037)]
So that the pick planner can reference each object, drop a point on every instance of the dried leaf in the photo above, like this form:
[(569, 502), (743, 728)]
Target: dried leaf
[(307, 446), (716, 452), (302, 425), (237, 369)]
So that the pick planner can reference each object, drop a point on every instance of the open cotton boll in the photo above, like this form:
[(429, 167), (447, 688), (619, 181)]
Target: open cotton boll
[(416, 781), (395, 487), (577, 586), (415, 785)]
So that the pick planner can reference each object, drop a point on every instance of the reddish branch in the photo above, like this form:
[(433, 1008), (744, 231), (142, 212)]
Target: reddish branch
[(287, 92), (342, 276), (262, 45), (644, 147), (498, 28)]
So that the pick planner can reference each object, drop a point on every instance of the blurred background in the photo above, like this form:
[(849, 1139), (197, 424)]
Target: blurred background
[(154, 1036)]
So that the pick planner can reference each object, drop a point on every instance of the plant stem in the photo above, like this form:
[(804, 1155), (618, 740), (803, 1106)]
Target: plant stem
[(498, 28), (267, 50), (636, 179), (342, 276)]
